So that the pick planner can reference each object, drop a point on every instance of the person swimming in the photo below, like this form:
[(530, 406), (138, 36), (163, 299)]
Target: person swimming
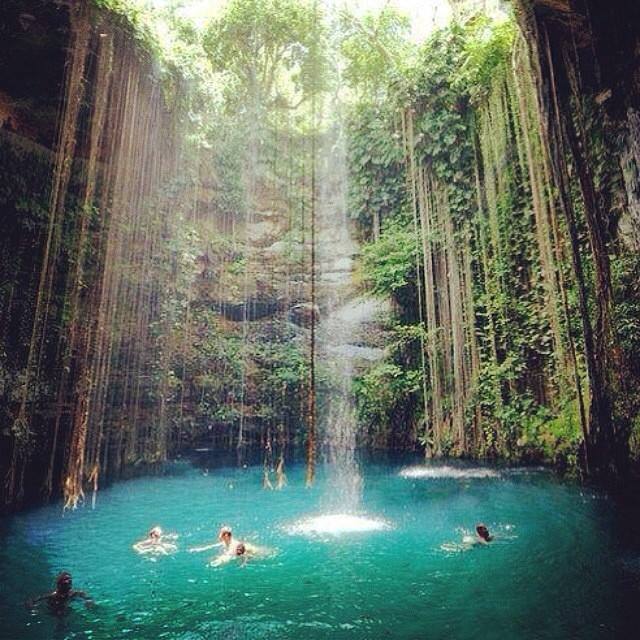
[(484, 537), (154, 542), (59, 599), (232, 548)]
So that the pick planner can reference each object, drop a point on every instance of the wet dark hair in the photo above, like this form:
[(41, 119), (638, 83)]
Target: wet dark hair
[(64, 581), (240, 550), (482, 531)]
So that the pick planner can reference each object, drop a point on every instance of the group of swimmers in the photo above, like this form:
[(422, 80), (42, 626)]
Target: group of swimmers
[(158, 542)]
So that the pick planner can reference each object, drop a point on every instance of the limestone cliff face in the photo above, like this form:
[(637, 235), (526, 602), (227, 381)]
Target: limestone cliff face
[(586, 61), (257, 275), (591, 49)]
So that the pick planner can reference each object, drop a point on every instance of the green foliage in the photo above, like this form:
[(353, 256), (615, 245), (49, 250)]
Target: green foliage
[(444, 134), (377, 184), (282, 372), (625, 269), (556, 439), (390, 263), (208, 366), (27, 168), (381, 389), (24, 210), (626, 280), (487, 49), (461, 103), (137, 19), (272, 50), (247, 73), (375, 48)]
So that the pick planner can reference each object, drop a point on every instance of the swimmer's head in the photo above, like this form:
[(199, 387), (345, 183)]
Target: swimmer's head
[(483, 532), (225, 534), (240, 550), (155, 533), (64, 582)]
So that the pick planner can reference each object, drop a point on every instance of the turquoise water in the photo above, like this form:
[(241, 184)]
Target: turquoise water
[(561, 566)]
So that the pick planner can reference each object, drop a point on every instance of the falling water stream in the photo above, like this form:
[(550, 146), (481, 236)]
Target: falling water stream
[(343, 317), (336, 250)]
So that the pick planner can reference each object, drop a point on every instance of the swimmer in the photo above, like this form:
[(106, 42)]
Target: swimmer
[(483, 534), (232, 548), (154, 543), (482, 537), (59, 599)]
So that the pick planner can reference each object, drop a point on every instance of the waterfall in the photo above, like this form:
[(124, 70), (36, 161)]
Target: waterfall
[(342, 320)]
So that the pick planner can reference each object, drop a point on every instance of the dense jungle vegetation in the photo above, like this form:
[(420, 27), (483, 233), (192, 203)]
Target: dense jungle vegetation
[(159, 278)]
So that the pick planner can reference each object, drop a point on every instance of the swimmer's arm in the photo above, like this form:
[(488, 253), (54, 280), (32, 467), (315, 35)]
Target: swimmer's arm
[(34, 601), (88, 600), (142, 545), (205, 547), (470, 541), (221, 559)]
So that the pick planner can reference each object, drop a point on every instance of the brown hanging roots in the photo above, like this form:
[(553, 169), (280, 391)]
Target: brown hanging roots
[(281, 476), (74, 92), (267, 463), (431, 427)]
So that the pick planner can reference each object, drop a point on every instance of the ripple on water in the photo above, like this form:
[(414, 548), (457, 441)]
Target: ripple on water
[(337, 524), (447, 472)]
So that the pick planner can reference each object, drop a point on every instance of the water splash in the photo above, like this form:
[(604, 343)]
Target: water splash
[(445, 471), (337, 524), (502, 533)]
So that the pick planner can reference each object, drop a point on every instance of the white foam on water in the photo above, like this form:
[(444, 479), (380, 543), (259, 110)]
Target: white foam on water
[(336, 524), (446, 471)]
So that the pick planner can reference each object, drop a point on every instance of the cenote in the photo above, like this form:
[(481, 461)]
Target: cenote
[(557, 568), (386, 252)]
